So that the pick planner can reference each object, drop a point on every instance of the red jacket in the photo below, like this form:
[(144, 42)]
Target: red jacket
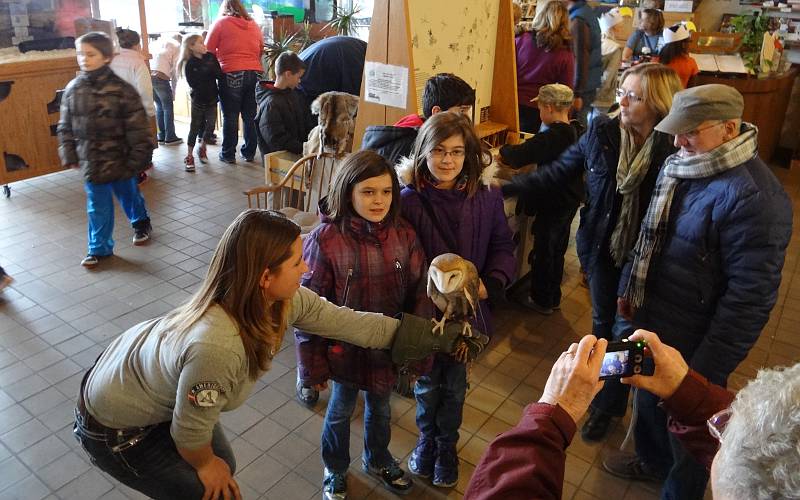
[(528, 460), (367, 267), (236, 43)]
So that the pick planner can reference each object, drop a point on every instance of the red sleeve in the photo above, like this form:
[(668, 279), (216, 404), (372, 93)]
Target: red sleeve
[(528, 460), (695, 401), (212, 39)]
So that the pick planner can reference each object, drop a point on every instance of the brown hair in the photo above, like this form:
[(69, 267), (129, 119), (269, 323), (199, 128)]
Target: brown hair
[(659, 84), (128, 39), (651, 21), (551, 26), (255, 241), (437, 129), (233, 8), (355, 168), (289, 61), (99, 40)]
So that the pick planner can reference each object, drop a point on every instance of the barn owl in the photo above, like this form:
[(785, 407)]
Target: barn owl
[(453, 285)]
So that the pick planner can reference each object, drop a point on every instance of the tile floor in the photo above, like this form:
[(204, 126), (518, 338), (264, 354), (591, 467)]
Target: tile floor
[(57, 317)]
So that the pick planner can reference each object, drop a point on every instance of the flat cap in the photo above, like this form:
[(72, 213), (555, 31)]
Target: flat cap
[(693, 106)]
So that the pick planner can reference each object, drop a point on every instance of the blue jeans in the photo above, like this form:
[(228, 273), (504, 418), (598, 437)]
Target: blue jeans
[(440, 401), (237, 95), (664, 454), (336, 428), (165, 117), (100, 212), (153, 466)]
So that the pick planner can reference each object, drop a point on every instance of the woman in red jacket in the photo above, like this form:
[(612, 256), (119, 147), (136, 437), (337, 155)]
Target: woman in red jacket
[(236, 41)]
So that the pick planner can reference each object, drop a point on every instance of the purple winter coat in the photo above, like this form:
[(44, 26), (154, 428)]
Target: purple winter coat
[(477, 224), (367, 267)]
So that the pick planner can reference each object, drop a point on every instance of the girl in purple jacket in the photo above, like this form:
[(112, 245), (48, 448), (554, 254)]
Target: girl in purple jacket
[(363, 256), (452, 212)]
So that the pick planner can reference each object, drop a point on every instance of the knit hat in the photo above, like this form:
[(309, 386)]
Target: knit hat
[(693, 106), (555, 93)]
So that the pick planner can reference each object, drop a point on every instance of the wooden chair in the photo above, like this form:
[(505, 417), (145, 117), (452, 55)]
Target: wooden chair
[(298, 192)]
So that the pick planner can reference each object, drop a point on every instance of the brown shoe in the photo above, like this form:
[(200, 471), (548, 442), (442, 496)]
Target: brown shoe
[(629, 466)]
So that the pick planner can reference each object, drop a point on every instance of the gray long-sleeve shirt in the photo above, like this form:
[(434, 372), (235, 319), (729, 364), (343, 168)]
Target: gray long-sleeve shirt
[(150, 374)]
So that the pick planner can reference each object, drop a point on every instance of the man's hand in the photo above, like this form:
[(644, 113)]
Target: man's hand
[(574, 378), (218, 481), (483, 294), (671, 368), (577, 104)]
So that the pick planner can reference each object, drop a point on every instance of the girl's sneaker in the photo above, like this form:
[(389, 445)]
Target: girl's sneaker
[(201, 153), (445, 472), (334, 485), (189, 162), (392, 476), (423, 458)]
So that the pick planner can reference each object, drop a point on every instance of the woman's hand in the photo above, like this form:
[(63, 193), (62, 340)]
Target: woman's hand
[(218, 481), (483, 294)]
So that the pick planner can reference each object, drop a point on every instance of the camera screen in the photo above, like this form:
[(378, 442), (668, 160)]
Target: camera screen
[(614, 363)]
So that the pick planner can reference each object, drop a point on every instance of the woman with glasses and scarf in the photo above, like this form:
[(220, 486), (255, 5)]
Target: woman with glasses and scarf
[(620, 157)]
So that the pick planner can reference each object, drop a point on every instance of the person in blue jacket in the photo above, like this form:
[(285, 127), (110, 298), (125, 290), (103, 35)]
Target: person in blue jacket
[(707, 265)]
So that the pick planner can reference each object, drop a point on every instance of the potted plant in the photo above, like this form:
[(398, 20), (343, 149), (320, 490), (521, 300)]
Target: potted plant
[(752, 27), (280, 43), (344, 21)]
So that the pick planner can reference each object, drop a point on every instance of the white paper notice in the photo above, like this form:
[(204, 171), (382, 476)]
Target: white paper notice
[(386, 84)]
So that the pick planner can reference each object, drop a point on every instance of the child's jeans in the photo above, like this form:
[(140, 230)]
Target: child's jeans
[(440, 401), (203, 116), (100, 212), (550, 241), (336, 428)]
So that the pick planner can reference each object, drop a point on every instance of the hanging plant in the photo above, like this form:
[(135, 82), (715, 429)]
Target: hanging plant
[(344, 21), (752, 28)]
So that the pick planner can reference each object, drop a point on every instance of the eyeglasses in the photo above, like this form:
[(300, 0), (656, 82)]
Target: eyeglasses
[(440, 153), (620, 93), (694, 133), (717, 423)]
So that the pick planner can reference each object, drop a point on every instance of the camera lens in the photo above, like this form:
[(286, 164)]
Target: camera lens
[(637, 358), (637, 369)]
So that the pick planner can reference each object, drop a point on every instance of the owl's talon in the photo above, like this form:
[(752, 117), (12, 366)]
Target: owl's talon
[(438, 325), (466, 331)]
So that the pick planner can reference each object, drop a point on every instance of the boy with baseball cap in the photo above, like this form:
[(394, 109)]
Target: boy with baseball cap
[(555, 213)]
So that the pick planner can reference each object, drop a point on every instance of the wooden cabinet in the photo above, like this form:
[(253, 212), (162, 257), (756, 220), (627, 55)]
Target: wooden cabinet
[(30, 109)]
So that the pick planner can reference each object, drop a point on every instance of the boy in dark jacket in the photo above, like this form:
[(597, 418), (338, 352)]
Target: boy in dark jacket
[(443, 92), (553, 213), (103, 129), (283, 118)]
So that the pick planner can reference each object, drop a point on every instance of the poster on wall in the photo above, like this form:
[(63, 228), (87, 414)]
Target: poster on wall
[(456, 38), (386, 84)]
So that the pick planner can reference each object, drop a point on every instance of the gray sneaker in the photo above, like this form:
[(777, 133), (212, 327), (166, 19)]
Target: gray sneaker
[(334, 486), (629, 466)]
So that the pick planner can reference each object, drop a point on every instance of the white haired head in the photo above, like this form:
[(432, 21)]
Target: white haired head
[(760, 453)]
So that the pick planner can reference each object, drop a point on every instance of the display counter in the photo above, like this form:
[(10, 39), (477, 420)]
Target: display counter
[(30, 109), (765, 103)]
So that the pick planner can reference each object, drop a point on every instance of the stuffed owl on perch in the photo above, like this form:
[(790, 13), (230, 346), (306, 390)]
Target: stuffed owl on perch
[(453, 284)]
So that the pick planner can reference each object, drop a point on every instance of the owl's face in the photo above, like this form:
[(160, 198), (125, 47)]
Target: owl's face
[(446, 281)]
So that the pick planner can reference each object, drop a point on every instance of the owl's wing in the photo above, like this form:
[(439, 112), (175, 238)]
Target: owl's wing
[(438, 298), (471, 294)]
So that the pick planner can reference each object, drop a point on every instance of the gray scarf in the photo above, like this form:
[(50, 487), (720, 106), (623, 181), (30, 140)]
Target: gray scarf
[(676, 168), (631, 170)]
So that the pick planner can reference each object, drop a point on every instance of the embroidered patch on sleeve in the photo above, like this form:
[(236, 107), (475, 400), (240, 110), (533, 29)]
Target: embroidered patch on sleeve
[(205, 394)]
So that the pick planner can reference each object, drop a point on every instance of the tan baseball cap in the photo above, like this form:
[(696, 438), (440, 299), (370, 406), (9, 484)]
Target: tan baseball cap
[(693, 106), (555, 93)]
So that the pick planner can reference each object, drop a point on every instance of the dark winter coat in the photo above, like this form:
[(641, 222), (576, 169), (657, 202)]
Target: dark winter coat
[(367, 267), (393, 141), (477, 225), (711, 288), (542, 149), (103, 127), (283, 119), (201, 75), (336, 64), (596, 155)]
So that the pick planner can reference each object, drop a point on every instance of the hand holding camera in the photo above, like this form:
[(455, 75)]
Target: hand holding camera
[(670, 370)]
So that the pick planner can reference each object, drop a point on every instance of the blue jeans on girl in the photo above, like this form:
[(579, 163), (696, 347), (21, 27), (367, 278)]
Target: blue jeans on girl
[(336, 428), (100, 212), (237, 95), (440, 401)]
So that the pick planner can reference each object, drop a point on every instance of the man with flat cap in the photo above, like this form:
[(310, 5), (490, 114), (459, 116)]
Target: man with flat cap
[(706, 267)]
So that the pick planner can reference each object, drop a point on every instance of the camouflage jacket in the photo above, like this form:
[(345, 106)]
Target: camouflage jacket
[(104, 128)]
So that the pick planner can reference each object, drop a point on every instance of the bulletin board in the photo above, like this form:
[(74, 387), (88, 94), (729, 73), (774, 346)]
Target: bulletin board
[(458, 38)]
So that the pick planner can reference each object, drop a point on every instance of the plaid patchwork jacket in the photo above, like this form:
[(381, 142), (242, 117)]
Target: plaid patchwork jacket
[(367, 267)]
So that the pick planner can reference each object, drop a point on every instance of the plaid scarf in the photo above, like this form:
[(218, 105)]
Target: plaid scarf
[(676, 168), (632, 168)]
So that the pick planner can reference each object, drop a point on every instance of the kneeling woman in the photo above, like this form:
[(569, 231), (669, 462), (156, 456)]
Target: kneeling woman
[(148, 410)]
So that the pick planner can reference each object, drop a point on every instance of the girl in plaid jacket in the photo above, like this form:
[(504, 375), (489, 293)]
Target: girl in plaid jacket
[(363, 256)]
